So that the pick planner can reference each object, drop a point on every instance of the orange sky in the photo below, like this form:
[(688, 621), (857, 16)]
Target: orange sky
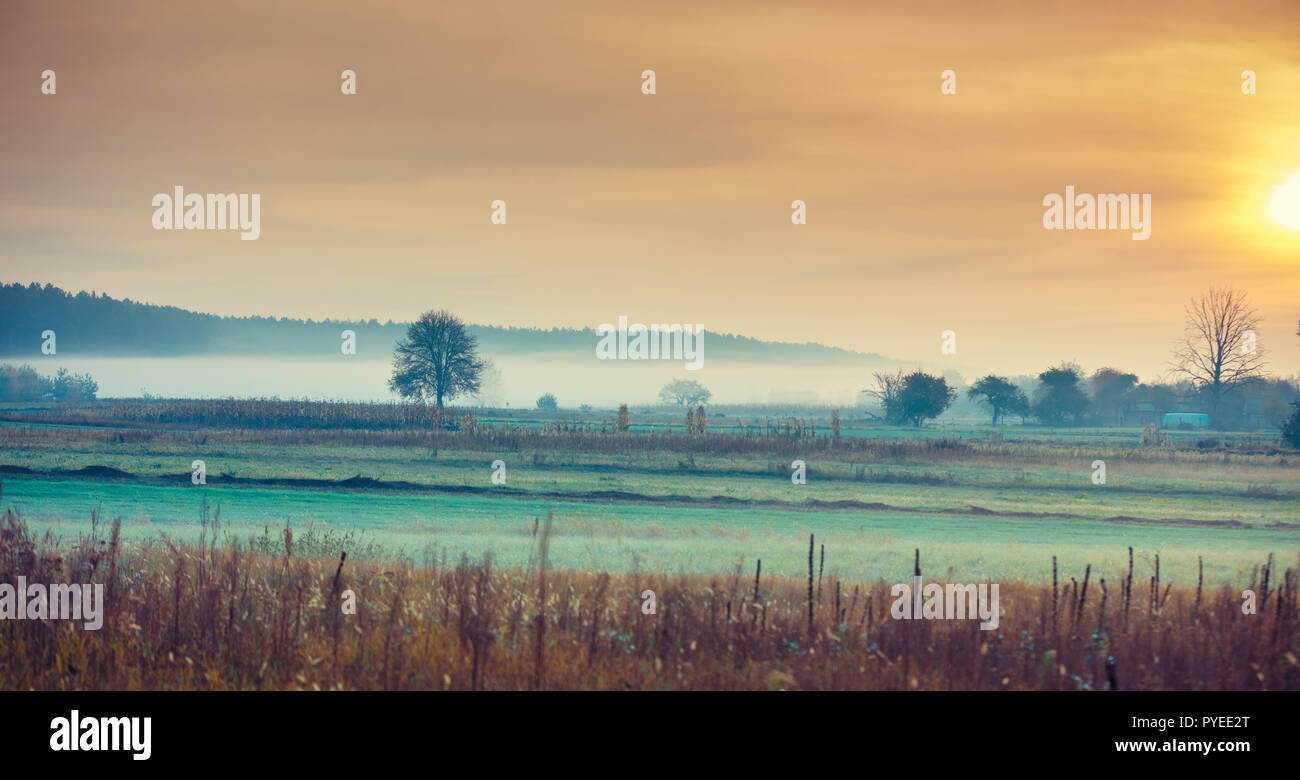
[(924, 210)]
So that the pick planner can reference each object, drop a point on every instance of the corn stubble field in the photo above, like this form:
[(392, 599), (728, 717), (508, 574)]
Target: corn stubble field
[(226, 615)]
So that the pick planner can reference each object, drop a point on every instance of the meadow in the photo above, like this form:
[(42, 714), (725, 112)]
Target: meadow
[(989, 503), (234, 583)]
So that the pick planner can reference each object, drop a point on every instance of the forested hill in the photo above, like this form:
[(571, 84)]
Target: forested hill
[(89, 324)]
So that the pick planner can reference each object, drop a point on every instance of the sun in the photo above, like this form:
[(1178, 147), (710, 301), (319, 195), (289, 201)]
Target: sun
[(1285, 206)]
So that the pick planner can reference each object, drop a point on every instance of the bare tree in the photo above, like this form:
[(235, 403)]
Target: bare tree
[(888, 389), (1218, 350), (438, 359)]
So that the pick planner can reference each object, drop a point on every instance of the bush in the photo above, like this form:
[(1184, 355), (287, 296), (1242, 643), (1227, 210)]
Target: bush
[(22, 383), (1291, 428), (547, 403)]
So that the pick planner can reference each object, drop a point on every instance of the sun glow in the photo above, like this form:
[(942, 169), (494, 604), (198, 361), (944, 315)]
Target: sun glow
[(1285, 206)]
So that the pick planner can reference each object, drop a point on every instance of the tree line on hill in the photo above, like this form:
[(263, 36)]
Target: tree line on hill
[(90, 323)]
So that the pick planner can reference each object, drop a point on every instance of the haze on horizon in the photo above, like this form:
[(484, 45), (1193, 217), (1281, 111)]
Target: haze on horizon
[(924, 210)]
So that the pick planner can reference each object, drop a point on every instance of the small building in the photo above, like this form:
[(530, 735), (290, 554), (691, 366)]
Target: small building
[(1185, 420)]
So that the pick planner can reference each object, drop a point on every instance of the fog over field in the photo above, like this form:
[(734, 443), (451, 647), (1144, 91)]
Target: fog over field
[(574, 379)]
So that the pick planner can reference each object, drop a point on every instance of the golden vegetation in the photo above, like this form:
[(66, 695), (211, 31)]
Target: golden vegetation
[(230, 615)]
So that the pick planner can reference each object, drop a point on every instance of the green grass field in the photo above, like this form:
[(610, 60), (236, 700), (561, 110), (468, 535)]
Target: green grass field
[(988, 510), (623, 536)]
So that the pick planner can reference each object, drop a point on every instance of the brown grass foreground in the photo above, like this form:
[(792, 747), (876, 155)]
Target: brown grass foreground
[(218, 617)]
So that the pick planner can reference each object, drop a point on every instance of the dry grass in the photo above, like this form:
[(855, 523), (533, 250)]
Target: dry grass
[(226, 616)]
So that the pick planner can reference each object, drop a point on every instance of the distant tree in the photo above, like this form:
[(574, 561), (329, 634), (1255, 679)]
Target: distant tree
[(1275, 411), (835, 425), (1161, 397), (65, 386), (1255, 402), (887, 390), (684, 392), (22, 383), (436, 359), (87, 388), (1291, 428), (924, 397), (624, 423), (547, 403), (1112, 393), (911, 399), (1060, 395), (1000, 395), (701, 421), (1218, 351)]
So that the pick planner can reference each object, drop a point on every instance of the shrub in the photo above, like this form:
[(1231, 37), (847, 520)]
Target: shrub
[(1291, 428)]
